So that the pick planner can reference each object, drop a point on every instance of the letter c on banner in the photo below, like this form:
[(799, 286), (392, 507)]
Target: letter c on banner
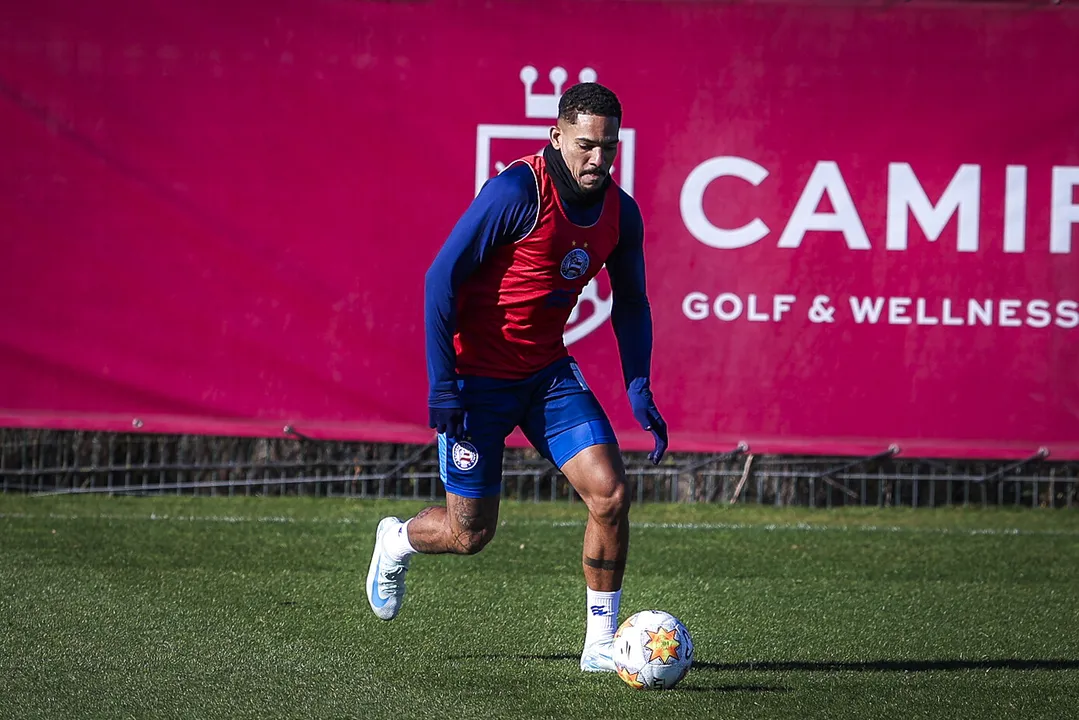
[(692, 202)]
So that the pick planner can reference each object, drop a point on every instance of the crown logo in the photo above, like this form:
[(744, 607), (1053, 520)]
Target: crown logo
[(546, 106)]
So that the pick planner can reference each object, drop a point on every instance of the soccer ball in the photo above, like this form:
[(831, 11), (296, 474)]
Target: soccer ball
[(652, 650)]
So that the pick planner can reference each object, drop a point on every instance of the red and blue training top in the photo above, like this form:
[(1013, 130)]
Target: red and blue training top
[(500, 291)]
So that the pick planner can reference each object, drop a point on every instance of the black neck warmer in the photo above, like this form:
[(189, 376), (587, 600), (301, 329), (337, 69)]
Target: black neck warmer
[(567, 187)]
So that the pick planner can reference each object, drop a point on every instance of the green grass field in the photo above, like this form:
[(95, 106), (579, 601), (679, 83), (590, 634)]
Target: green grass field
[(227, 608)]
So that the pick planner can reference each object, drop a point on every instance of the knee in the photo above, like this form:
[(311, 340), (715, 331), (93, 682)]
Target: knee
[(470, 541), (611, 506)]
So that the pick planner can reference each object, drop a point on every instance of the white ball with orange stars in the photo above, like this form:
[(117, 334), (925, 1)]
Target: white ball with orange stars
[(652, 650)]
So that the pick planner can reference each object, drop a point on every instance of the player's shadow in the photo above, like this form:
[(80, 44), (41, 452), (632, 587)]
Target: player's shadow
[(823, 666), (889, 665), (576, 658)]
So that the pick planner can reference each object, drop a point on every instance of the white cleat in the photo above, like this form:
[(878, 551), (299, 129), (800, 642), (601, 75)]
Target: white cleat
[(386, 578), (597, 657)]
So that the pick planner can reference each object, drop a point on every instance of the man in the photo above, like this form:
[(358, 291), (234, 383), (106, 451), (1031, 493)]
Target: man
[(498, 296)]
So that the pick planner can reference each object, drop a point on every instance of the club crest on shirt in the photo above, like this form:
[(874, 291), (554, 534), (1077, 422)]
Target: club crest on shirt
[(575, 264), (465, 455)]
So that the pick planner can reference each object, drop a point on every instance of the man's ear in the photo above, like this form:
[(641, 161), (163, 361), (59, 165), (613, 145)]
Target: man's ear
[(556, 137)]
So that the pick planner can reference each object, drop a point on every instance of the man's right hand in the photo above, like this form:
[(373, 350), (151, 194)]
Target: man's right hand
[(448, 420), (447, 413)]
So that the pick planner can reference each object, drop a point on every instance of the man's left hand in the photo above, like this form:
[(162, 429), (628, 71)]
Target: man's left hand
[(644, 409)]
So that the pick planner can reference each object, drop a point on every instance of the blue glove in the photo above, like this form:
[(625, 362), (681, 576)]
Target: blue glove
[(447, 413), (644, 409)]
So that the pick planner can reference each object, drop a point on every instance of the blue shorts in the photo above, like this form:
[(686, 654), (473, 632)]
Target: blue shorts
[(554, 408)]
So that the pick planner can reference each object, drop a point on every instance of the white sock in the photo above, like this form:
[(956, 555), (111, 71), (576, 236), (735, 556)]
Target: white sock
[(602, 613), (396, 543)]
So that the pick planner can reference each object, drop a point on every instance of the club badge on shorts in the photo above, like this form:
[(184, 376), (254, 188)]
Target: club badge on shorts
[(465, 455), (575, 264)]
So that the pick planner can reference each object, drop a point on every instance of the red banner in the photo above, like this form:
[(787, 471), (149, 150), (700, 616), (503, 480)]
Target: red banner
[(861, 223)]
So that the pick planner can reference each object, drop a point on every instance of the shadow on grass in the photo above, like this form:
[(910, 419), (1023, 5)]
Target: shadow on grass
[(575, 658), (827, 666), (732, 689), (889, 665)]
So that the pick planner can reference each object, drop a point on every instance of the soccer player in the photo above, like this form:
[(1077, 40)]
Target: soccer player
[(497, 299)]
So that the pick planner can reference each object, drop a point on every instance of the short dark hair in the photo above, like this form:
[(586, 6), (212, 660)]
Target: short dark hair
[(589, 98)]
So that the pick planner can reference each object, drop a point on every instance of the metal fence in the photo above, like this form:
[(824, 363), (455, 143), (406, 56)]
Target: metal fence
[(70, 462)]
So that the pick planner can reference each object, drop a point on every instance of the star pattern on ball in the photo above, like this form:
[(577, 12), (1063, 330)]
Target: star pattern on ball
[(630, 678), (662, 644)]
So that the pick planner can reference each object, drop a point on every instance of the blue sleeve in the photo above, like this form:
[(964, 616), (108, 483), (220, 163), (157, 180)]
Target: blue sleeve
[(503, 212), (631, 313)]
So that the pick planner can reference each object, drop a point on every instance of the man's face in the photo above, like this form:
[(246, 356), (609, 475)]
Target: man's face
[(588, 146)]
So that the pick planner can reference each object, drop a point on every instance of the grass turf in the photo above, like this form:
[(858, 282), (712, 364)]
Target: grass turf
[(175, 607)]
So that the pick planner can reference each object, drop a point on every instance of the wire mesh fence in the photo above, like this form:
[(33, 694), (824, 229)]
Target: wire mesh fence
[(72, 462)]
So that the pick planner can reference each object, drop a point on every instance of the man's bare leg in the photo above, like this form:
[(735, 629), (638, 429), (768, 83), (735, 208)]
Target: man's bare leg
[(598, 475), (464, 526)]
